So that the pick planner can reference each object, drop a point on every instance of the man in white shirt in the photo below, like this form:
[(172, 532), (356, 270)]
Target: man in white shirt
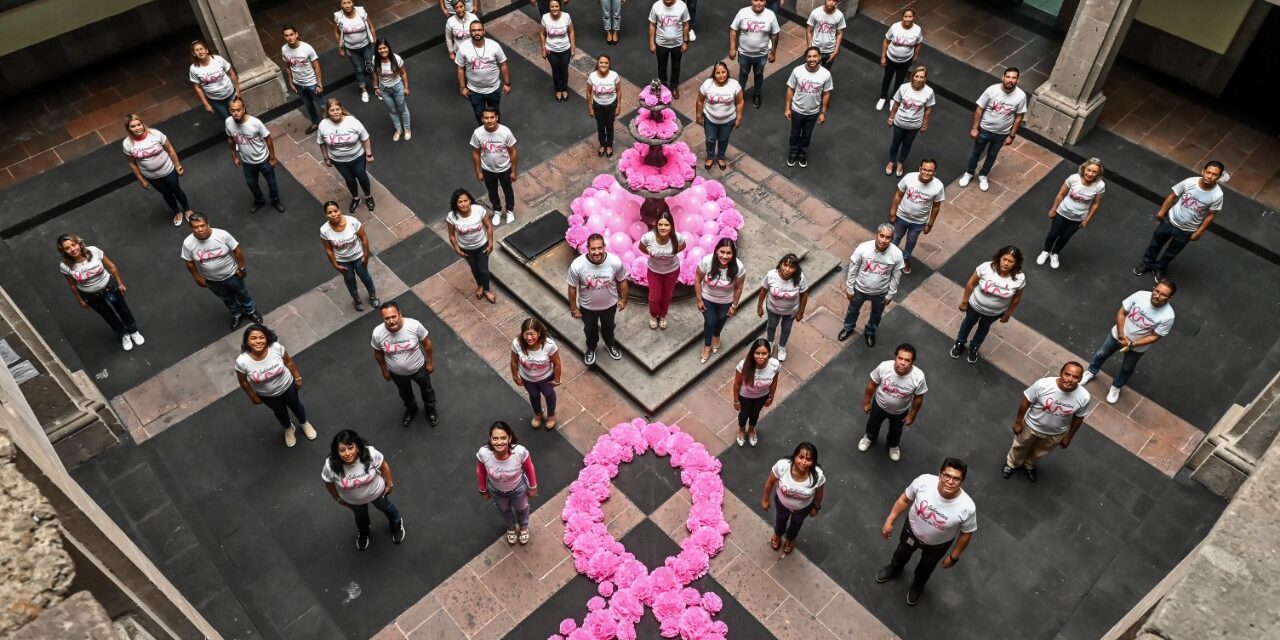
[(895, 393), (302, 68), (996, 121), (1142, 319), (253, 151), (1051, 411), (403, 351), (668, 39), (808, 98), (874, 270), (753, 40), (216, 263), (1184, 216), (480, 64), (938, 513), (597, 292), (493, 154), (915, 207)]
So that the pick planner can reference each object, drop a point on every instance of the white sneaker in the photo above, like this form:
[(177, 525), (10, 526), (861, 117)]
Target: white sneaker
[(782, 354), (1040, 259), (290, 436), (964, 180), (364, 96), (497, 218), (137, 338), (864, 443), (1053, 261), (126, 342), (395, 137), (308, 431), (895, 454), (511, 217), (982, 183), (880, 104), (1113, 395), (1088, 375), (692, 36)]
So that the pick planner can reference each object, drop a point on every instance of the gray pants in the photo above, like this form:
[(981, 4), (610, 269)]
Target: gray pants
[(513, 505)]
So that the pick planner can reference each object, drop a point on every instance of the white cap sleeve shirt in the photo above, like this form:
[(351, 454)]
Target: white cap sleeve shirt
[(402, 350), (1193, 204), (358, 483), (935, 520), (389, 78), (469, 229), (149, 152), (214, 256), (918, 197), (250, 137), (457, 32), (758, 385), (721, 102), (895, 393), (1000, 108), (782, 297), (268, 376), (1053, 409), (344, 139), (1080, 197), (355, 30), (346, 243), (557, 31), (299, 61), (911, 105), (212, 78), (826, 26), (719, 289), (755, 31), (796, 496), (91, 275), (504, 475), (482, 67), (668, 23), (603, 90), (808, 88), (495, 148), (902, 42), (994, 292), (662, 257), (535, 364), (1143, 319), (597, 284)]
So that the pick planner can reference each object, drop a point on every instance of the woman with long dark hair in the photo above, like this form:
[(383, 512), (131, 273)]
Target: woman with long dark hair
[(898, 51), (345, 145), (268, 376), (457, 26), (535, 365), (605, 88), (96, 284), (347, 245), (663, 245), (357, 475), (717, 290), (392, 87), (992, 293), (155, 163), (1073, 209), (213, 80), (754, 386), (504, 472), (471, 236), (909, 113), (558, 43), (355, 34), (719, 110), (784, 294), (799, 485)]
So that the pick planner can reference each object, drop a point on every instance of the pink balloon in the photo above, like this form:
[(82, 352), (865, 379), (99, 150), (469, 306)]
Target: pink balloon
[(690, 223), (707, 242), (637, 229), (698, 194), (618, 241), (628, 256), (595, 224), (709, 210), (696, 254), (709, 228), (590, 206)]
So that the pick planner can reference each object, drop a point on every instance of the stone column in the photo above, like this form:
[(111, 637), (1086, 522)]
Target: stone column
[(1067, 106), (229, 29), (1231, 451)]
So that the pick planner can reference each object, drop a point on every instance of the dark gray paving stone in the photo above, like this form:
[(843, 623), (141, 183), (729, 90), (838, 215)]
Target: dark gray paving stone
[(419, 256), (648, 481)]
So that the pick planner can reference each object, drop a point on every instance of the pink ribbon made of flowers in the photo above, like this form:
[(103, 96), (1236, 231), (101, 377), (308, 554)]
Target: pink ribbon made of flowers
[(626, 585)]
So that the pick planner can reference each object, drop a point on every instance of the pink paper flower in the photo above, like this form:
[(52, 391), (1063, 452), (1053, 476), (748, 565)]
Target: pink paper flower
[(605, 589), (731, 218), (604, 181), (712, 602), (715, 190), (568, 625)]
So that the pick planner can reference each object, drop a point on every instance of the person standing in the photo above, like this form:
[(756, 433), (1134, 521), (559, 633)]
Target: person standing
[(213, 80), (345, 145), (996, 121), (755, 383), (154, 162), (895, 393), (505, 474), (96, 284), (612, 11), (347, 246), (605, 87), (302, 69), (253, 151), (808, 96), (1142, 319), (719, 111), (753, 37), (268, 375), (356, 476), (992, 293), (471, 236), (874, 270), (717, 288), (663, 244), (457, 27), (908, 117), (915, 207), (1183, 217), (216, 263), (669, 39), (494, 156), (355, 35), (558, 43), (469, 6), (597, 283), (402, 349), (939, 512), (898, 51), (825, 31), (1050, 414), (393, 88), (535, 365), (1073, 208), (483, 75), (799, 485), (784, 294)]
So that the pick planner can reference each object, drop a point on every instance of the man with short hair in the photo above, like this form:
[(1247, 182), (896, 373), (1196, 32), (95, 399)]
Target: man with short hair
[(253, 151), (597, 292), (915, 207), (874, 270), (216, 263), (302, 69), (753, 40), (402, 349), (808, 97), (493, 153), (1183, 217), (895, 392), (1142, 319), (483, 75), (996, 121), (669, 39), (825, 31), (1051, 411), (939, 512)]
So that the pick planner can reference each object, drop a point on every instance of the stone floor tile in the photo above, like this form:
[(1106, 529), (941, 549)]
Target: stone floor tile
[(625, 521), (516, 584), (414, 616), (595, 394), (582, 431), (389, 632), (824, 322), (791, 621), (1017, 335), (1119, 428), (466, 601), (849, 620), (759, 594), (804, 581), (1017, 364), (440, 626), (434, 290), (498, 627), (673, 513), (544, 552)]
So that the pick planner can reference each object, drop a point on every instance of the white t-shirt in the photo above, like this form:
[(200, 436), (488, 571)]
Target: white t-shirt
[(874, 272), (1053, 409), (1079, 197), (1000, 108), (250, 137), (603, 90), (355, 31), (755, 31), (535, 364), (213, 78), (344, 139), (918, 197), (1193, 204), (895, 393), (458, 31), (299, 61), (721, 104), (808, 88), (597, 284), (387, 77), (214, 256), (782, 297), (469, 229), (268, 376), (911, 105), (504, 475), (1143, 318), (935, 520), (557, 31), (482, 66), (758, 385), (826, 26), (796, 495), (670, 23), (495, 148), (346, 243), (402, 350), (153, 161), (90, 275), (358, 484), (994, 292), (662, 257), (902, 42), (719, 290)]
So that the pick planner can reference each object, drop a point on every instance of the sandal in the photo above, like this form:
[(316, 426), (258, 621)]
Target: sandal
[(888, 169), (177, 219), (511, 536), (653, 322), (550, 423), (788, 546), (524, 536), (702, 357), (488, 295), (662, 322), (775, 542), (898, 171)]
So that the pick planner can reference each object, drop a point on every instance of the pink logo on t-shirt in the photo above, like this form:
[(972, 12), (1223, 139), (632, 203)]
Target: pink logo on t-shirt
[(494, 148), (215, 77), (910, 104), (1140, 319), (903, 40), (88, 273), (150, 151), (825, 27), (604, 89), (1080, 196), (205, 255), (482, 63), (352, 482), (263, 375), (1053, 408), (596, 282), (894, 389), (300, 62), (720, 98), (994, 288), (557, 32), (390, 346), (344, 243), (754, 26), (534, 366), (808, 86), (930, 515), (1188, 201), (784, 294), (1000, 108), (339, 139), (872, 266), (917, 196), (669, 21)]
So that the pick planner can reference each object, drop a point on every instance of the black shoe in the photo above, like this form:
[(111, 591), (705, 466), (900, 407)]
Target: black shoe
[(369, 203), (913, 595), (256, 317), (887, 573), (277, 205), (236, 320), (374, 302), (433, 419), (869, 338), (408, 416), (355, 302), (589, 357), (1031, 474), (256, 206), (312, 129), (1006, 471), (1141, 269), (755, 101), (355, 204), (803, 160), (957, 349), (615, 353), (397, 533), (791, 160), (973, 355), (362, 541), (844, 334)]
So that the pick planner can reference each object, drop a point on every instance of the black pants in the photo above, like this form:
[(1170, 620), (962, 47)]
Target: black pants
[(877, 418), (491, 182), (929, 555), (596, 323), (251, 172), (801, 132), (1165, 232), (355, 173), (170, 189), (280, 405), (749, 414), (110, 304), (605, 114), (895, 74), (478, 260), (559, 61), (405, 389), (971, 318), (384, 505), (1060, 231), (673, 56), (787, 522), (900, 144)]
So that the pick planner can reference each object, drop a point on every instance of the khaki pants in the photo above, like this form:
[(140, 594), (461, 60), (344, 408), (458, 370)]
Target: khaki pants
[(1030, 446)]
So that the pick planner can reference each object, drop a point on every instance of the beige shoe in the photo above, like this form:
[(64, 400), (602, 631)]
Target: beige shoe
[(290, 436), (408, 134), (308, 431), (536, 422), (653, 322), (395, 137)]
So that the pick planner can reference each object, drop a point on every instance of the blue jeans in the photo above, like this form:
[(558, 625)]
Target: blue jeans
[(714, 316), (539, 390), (971, 318), (772, 325), (288, 400), (900, 145), (481, 100), (312, 101), (855, 307), (362, 61), (693, 12), (355, 172), (221, 108), (513, 504), (717, 137), (478, 260), (1108, 349), (251, 172), (772, 5), (801, 132), (987, 142), (1165, 232), (393, 97), (747, 65), (384, 505), (612, 11), (357, 268), (912, 232), (234, 294), (171, 190), (787, 522)]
